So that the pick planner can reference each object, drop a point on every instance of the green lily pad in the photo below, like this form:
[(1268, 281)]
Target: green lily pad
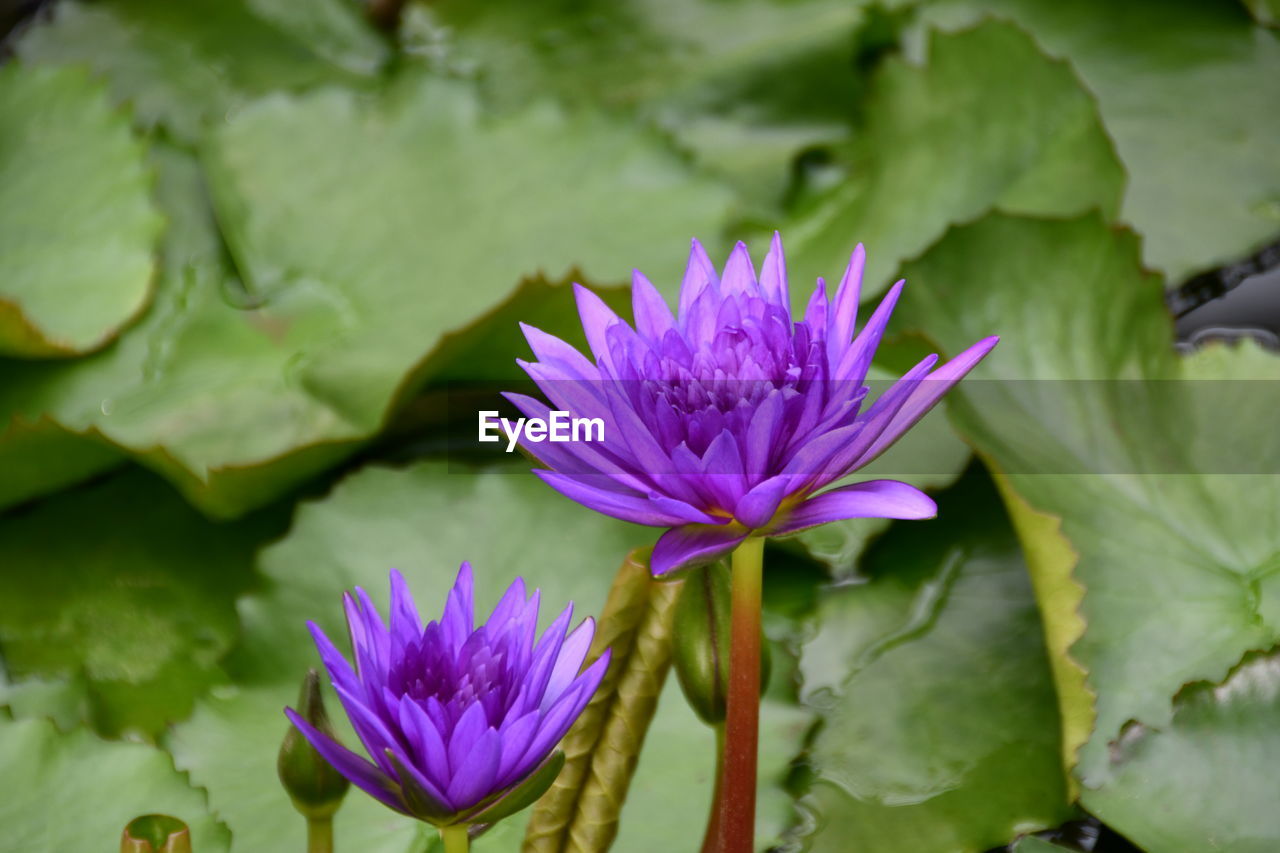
[(76, 792), (744, 85), (239, 391), (423, 520), (1166, 505), (1229, 734), (1184, 88), (77, 227), (940, 727), (123, 588), (949, 140), (183, 65), (41, 457)]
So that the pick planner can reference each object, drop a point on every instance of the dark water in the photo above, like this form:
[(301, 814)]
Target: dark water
[(1083, 836), (1235, 301)]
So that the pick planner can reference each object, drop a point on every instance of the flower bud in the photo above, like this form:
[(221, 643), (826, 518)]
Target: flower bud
[(700, 653), (155, 833), (314, 785)]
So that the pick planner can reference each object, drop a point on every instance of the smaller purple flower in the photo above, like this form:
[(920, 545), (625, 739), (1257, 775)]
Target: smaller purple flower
[(460, 720)]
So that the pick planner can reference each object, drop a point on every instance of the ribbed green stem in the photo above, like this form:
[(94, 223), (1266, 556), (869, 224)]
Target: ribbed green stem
[(742, 713), (320, 835), (711, 837), (456, 839), (616, 629)]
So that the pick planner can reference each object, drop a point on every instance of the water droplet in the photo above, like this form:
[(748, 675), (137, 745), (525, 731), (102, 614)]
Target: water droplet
[(107, 406)]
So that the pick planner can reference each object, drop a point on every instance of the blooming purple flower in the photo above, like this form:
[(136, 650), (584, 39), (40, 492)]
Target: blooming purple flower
[(727, 419), (460, 721)]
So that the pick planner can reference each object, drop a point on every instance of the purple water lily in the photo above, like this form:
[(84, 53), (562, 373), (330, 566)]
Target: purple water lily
[(727, 420), (460, 720)]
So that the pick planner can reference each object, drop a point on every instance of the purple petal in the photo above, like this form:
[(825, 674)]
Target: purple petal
[(474, 776), (428, 744), (509, 607), (878, 418), (537, 676), (699, 275), (762, 435), (759, 505), (739, 275), (596, 320), (654, 512), (425, 787), (456, 623), (562, 714), (377, 636), (581, 458), (856, 359), (554, 724), (340, 671), (550, 348), (723, 471), (844, 313), (926, 395), (406, 625), (693, 544), (466, 733), (516, 739), (872, 499), (362, 774), (653, 317), (572, 653), (773, 277), (815, 314), (369, 727)]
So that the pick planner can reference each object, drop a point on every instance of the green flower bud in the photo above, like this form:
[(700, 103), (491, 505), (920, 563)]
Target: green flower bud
[(700, 653), (155, 833), (315, 787)]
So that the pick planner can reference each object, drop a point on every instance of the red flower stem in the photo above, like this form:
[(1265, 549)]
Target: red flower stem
[(742, 714)]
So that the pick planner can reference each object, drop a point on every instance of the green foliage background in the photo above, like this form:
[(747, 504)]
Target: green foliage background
[(246, 245)]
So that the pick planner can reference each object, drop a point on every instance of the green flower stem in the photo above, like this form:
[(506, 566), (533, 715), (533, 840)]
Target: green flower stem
[(320, 834), (742, 715), (616, 629), (595, 824), (456, 839), (711, 836)]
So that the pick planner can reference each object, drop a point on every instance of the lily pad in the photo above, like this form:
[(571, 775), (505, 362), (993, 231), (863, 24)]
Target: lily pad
[(745, 85), (355, 226), (948, 140), (76, 792), (77, 227), (1166, 505), (123, 588), (1218, 730), (940, 729), (1183, 89), (183, 65)]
